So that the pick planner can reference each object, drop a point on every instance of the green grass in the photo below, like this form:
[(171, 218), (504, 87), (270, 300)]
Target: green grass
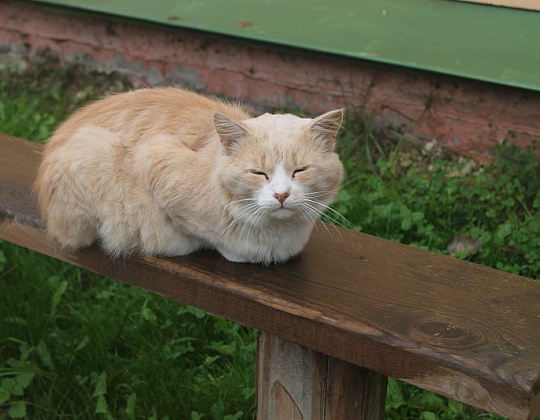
[(77, 345), (96, 345), (426, 201)]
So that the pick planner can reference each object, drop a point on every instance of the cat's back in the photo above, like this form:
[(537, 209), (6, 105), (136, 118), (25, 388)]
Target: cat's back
[(143, 113), (100, 167)]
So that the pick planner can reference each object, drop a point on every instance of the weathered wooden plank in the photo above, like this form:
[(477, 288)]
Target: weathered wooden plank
[(465, 331), (294, 382), (18, 168)]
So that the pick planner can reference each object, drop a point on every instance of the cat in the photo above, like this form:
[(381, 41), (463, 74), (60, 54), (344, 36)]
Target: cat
[(167, 172)]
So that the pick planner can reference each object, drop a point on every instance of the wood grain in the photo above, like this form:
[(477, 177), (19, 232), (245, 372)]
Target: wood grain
[(459, 329), (294, 382)]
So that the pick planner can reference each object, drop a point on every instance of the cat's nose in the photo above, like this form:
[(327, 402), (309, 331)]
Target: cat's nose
[(281, 197)]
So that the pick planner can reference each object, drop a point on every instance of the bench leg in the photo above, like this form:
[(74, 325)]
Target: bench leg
[(294, 382)]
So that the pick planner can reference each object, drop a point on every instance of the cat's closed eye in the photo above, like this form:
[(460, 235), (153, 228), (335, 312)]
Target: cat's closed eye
[(256, 172), (299, 170)]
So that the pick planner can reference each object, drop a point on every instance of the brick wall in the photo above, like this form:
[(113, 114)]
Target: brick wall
[(466, 116)]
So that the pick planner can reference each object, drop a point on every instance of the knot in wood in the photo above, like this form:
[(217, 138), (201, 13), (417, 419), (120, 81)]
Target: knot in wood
[(449, 334)]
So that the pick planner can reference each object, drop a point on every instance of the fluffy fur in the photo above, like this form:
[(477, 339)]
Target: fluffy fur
[(168, 172)]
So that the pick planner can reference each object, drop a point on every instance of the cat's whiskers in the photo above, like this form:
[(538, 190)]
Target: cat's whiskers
[(250, 223), (328, 214), (232, 215), (236, 218), (256, 216), (240, 201), (318, 194), (316, 213), (335, 214), (307, 215)]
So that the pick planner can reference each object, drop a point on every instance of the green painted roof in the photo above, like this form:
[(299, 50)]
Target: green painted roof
[(481, 42)]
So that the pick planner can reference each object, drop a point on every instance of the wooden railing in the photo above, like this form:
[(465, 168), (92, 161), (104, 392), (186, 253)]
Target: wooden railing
[(351, 310)]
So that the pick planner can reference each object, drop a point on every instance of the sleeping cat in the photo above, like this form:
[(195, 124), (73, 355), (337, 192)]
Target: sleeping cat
[(168, 172)]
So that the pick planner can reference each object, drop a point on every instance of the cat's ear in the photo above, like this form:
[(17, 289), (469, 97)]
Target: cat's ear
[(230, 132), (325, 128)]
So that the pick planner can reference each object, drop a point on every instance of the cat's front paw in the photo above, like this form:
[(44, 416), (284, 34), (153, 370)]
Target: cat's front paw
[(236, 258), (256, 258)]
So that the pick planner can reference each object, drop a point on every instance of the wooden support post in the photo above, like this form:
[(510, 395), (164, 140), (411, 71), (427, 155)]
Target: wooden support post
[(294, 382)]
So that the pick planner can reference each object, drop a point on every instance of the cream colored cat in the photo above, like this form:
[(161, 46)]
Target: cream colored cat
[(168, 172)]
